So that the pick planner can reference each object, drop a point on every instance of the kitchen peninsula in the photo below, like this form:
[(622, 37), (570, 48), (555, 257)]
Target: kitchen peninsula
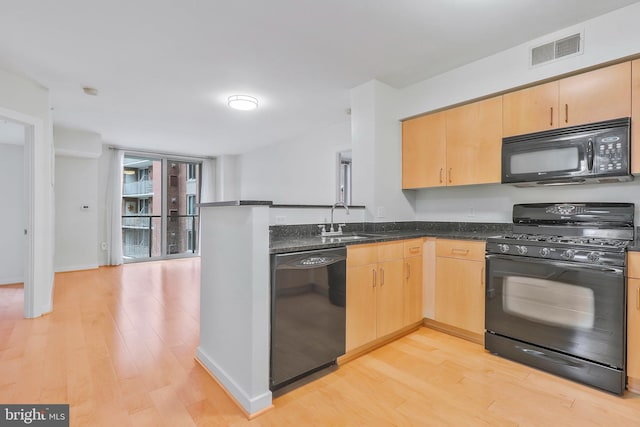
[(235, 276)]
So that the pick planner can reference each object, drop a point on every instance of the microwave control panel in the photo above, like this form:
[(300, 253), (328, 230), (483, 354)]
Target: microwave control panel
[(610, 155)]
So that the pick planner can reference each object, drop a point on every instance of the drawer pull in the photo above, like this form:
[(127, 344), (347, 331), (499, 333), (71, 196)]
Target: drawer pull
[(414, 250), (460, 251)]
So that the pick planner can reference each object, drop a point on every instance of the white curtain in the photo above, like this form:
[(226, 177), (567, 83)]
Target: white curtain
[(114, 207), (208, 190)]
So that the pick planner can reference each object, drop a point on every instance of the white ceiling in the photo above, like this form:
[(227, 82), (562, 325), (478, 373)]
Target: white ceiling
[(164, 68)]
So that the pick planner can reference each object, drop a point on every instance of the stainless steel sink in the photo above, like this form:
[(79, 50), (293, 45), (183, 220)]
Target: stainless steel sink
[(343, 238)]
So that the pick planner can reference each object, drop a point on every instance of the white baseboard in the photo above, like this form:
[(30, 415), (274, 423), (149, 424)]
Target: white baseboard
[(75, 268), (251, 404)]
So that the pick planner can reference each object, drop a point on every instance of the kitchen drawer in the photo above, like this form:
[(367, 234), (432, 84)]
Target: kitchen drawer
[(362, 254), (413, 247), (390, 250), (461, 249), (633, 263)]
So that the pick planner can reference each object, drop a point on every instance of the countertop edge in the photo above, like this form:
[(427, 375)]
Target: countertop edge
[(236, 203), (309, 244)]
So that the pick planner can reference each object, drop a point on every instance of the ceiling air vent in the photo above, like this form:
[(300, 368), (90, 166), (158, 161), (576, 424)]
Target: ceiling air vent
[(561, 48)]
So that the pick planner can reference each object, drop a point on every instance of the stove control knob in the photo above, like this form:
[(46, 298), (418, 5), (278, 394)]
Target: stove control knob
[(593, 257), (521, 249), (503, 247), (568, 254), (544, 252)]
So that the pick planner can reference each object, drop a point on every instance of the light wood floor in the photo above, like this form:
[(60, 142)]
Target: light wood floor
[(120, 344)]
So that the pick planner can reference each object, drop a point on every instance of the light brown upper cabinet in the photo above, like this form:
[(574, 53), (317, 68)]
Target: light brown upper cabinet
[(594, 96), (423, 151), (474, 142), (530, 110), (458, 146), (635, 117)]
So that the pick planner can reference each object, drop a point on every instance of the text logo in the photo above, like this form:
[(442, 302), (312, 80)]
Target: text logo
[(34, 415)]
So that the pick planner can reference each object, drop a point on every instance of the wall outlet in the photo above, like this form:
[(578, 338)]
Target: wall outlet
[(380, 212), (471, 212), (103, 245), (281, 220)]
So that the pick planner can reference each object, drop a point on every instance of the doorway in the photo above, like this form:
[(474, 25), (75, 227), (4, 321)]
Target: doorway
[(12, 190)]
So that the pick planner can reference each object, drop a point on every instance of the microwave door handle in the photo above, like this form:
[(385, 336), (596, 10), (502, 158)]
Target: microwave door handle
[(590, 155)]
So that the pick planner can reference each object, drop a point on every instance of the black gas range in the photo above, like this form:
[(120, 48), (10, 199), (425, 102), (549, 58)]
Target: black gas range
[(592, 233), (556, 289)]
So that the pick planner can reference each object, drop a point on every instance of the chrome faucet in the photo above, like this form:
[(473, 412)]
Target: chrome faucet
[(331, 231)]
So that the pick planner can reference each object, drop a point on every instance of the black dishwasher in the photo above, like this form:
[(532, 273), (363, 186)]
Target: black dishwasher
[(308, 294)]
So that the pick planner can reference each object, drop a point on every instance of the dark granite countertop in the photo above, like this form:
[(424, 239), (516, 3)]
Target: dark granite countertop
[(301, 238), (236, 203)]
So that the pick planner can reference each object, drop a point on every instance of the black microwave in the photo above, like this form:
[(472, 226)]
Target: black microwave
[(593, 153)]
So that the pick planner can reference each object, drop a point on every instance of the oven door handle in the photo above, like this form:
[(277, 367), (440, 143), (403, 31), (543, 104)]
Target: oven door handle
[(567, 265)]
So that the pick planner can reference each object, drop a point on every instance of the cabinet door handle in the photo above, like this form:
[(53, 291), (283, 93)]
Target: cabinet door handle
[(450, 176), (551, 118), (374, 277), (566, 113), (381, 277), (408, 271), (441, 170)]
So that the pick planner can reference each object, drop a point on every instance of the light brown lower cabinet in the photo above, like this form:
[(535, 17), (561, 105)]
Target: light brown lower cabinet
[(460, 287), (384, 290), (633, 322), (413, 281), (374, 292)]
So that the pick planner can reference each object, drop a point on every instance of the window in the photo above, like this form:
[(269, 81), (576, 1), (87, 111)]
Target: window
[(159, 207), (191, 171), (191, 204), (143, 206), (343, 190)]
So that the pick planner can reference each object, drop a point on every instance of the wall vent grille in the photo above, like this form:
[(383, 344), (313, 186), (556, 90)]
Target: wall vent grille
[(557, 49)]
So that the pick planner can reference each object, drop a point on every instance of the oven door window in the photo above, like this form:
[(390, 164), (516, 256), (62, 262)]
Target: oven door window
[(549, 302), (574, 308)]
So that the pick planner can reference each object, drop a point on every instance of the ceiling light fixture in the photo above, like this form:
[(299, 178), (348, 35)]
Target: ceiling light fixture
[(242, 102)]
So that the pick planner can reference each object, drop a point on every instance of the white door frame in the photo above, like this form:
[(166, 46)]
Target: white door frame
[(34, 138)]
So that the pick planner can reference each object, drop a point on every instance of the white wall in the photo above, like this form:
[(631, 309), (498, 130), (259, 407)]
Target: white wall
[(494, 203), (234, 302), (76, 184), (76, 226), (12, 216), (227, 178), (25, 101), (297, 172), (377, 154), (609, 37)]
